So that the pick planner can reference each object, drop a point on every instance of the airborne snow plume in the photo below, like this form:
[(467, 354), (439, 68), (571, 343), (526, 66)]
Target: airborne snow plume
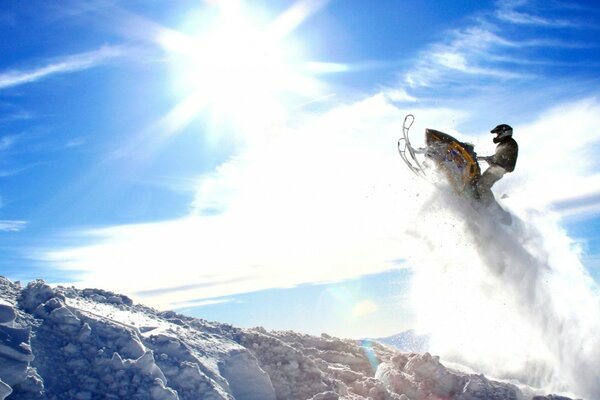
[(65, 343), (512, 301)]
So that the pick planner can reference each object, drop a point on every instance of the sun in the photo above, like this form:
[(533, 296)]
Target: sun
[(238, 66)]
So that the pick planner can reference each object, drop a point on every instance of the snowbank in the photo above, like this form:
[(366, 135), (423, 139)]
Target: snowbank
[(64, 343)]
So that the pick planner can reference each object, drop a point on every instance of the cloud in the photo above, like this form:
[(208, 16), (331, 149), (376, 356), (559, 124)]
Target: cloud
[(206, 283), (324, 202), (204, 303), (15, 171), (465, 54), (582, 204), (508, 12), (12, 226), (399, 95), (76, 62), (479, 50), (6, 142), (327, 201), (15, 115), (76, 142), (559, 167)]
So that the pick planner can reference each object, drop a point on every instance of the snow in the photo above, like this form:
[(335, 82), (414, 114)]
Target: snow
[(64, 343), (514, 302), (7, 311), (408, 341)]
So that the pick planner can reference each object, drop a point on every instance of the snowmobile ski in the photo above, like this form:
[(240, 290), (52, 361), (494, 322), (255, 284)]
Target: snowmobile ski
[(407, 152)]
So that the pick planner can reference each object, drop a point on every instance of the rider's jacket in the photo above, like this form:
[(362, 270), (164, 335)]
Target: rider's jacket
[(506, 154)]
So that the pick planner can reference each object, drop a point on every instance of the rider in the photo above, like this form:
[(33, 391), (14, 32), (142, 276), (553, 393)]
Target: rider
[(503, 161)]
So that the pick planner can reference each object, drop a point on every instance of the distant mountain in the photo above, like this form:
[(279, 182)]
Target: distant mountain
[(65, 343), (407, 341)]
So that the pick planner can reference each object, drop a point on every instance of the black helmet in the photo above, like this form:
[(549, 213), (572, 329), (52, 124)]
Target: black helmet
[(503, 131), (502, 128)]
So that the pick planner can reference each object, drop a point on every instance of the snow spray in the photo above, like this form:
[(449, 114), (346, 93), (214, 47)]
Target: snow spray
[(514, 302)]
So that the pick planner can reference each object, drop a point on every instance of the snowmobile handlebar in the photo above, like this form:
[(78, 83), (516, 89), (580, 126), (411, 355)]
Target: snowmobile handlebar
[(487, 159)]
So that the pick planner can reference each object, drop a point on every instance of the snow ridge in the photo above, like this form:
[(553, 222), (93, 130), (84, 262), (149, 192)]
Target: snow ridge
[(64, 343)]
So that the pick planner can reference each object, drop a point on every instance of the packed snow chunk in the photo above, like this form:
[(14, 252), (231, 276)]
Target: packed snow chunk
[(14, 343), (342, 372), (16, 376), (9, 290), (12, 372), (36, 293), (421, 376), (7, 312), (84, 395), (159, 391), (116, 362), (479, 387), (64, 317), (186, 375), (246, 379), (406, 374), (293, 374), (147, 366), (114, 300), (31, 388), (189, 359), (426, 367), (397, 381), (112, 335), (103, 296), (5, 390), (326, 396)]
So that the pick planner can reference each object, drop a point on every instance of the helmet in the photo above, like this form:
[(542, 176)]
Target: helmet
[(503, 131)]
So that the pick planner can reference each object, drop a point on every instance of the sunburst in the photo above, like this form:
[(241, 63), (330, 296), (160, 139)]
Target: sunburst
[(237, 68)]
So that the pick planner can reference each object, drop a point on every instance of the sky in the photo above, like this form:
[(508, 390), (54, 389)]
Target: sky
[(237, 160)]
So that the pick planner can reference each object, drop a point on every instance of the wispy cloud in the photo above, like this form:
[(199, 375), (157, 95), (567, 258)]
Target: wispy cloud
[(204, 284), (76, 62), (476, 51), (465, 54), (12, 116), (509, 11), (6, 142), (203, 303), (76, 142), (582, 205), (552, 161), (14, 171), (12, 226)]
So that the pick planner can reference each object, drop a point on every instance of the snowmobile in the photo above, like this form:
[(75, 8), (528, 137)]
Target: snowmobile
[(454, 161)]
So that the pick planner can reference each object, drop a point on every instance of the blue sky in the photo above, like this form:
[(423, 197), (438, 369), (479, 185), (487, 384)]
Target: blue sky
[(224, 157)]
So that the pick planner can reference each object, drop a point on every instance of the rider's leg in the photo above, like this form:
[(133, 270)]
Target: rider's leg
[(492, 175)]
